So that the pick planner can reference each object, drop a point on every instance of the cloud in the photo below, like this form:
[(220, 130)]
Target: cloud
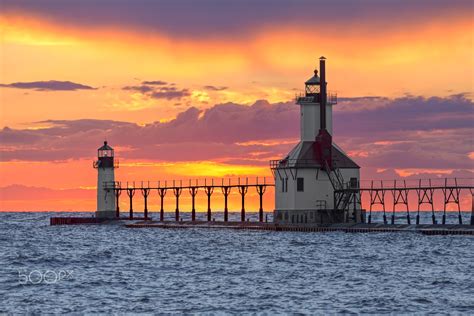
[(142, 88), (407, 133), (155, 83), (159, 90), (170, 93), (51, 85), (215, 88), (407, 113), (235, 17)]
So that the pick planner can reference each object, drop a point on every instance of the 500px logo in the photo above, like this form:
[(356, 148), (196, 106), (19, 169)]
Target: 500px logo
[(46, 276)]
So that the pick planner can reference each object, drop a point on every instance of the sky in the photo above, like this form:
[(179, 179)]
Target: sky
[(205, 89)]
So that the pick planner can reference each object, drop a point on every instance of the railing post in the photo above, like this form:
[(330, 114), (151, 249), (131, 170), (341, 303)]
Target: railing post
[(117, 192), (131, 193), (261, 190), (193, 191), (383, 203), (162, 193), (458, 200), (209, 191), (226, 191), (145, 193), (406, 202), (359, 196), (243, 190), (443, 220), (145, 211), (433, 217), (369, 221), (394, 202), (408, 211), (177, 193), (459, 214), (418, 192)]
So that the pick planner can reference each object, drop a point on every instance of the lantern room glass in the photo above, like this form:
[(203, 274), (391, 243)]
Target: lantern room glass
[(106, 153), (312, 88)]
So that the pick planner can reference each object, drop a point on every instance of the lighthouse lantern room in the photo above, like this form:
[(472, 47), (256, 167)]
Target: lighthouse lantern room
[(105, 166), (317, 182)]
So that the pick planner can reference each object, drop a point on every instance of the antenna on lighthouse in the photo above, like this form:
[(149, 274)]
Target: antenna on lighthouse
[(322, 69)]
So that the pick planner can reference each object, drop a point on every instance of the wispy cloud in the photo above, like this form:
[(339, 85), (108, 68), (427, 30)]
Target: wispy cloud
[(141, 88), (215, 88), (159, 90), (170, 93), (155, 83)]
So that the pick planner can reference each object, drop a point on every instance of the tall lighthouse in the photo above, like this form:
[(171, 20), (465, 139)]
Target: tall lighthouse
[(317, 182), (105, 166)]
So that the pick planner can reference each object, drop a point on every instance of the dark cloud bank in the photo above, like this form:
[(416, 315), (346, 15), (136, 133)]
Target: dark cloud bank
[(51, 85), (236, 17), (408, 132)]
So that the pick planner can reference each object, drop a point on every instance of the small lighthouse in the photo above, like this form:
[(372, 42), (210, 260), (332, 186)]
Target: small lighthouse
[(317, 182), (105, 166)]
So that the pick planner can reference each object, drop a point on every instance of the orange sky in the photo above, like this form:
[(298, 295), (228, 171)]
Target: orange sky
[(432, 56)]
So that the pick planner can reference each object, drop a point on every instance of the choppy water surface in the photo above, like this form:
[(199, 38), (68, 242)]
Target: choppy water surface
[(115, 269)]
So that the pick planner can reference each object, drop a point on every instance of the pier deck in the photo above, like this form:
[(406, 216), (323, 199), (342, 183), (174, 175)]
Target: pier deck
[(347, 228)]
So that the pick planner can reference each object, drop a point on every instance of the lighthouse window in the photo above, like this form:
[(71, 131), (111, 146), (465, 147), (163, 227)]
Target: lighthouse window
[(353, 182), (284, 185), (300, 184)]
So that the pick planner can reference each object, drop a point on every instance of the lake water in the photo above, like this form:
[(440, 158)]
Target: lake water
[(109, 268)]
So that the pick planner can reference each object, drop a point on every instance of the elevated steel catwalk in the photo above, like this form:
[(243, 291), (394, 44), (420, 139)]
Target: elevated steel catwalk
[(350, 195), (260, 184)]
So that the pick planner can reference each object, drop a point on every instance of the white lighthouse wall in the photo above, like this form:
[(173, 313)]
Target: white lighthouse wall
[(310, 123), (105, 198), (314, 189), (349, 173), (284, 200), (317, 186)]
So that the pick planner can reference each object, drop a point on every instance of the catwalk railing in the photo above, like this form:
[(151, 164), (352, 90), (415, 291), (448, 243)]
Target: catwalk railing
[(209, 186), (331, 97), (388, 195)]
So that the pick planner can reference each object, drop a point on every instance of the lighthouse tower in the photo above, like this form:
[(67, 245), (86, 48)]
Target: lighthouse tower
[(316, 183), (105, 166)]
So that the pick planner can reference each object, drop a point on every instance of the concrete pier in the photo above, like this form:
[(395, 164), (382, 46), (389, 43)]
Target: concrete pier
[(345, 227), (54, 221)]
